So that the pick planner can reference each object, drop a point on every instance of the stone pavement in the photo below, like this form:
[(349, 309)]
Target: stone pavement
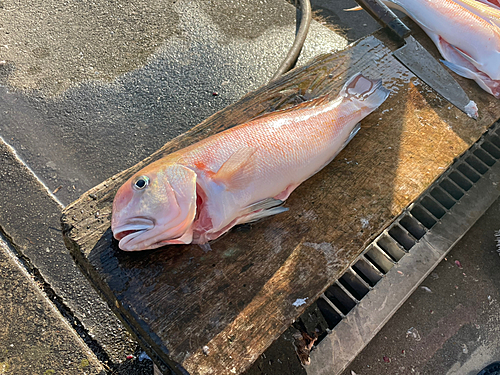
[(34, 339)]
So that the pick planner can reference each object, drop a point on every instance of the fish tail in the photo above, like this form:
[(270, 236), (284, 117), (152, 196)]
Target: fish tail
[(370, 92)]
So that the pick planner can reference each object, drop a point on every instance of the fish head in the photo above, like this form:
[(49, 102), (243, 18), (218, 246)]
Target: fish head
[(155, 207)]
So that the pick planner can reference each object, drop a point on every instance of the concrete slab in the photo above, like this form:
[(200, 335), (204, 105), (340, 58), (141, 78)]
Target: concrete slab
[(354, 25), (29, 218), (34, 337)]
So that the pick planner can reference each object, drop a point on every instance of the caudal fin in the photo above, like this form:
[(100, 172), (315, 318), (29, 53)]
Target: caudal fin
[(370, 92)]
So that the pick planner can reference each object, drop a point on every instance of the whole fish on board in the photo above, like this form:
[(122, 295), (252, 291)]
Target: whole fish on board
[(469, 43), (240, 175)]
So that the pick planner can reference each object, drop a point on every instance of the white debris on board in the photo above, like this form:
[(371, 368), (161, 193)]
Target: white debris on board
[(206, 350), (364, 223), (299, 302)]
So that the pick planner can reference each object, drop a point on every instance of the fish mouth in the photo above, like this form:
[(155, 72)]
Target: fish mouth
[(131, 230)]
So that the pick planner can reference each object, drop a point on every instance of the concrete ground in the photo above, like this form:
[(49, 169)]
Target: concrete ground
[(88, 89)]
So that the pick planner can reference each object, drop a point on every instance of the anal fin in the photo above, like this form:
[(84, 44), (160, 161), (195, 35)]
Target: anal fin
[(255, 216), (354, 131)]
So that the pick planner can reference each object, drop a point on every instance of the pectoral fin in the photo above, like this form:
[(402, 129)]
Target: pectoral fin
[(264, 204), (262, 214), (261, 209), (236, 171), (467, 57)]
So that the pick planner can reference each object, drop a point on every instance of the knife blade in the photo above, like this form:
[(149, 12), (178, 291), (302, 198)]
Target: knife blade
[(418, 60)]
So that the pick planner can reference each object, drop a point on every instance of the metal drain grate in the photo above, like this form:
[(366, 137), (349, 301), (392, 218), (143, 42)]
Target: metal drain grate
[(412, 229)]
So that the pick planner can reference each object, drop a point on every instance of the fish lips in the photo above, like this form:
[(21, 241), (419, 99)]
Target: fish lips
[(126, 233)]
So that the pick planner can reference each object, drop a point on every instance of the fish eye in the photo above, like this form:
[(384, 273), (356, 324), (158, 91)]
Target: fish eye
[(141, 182)]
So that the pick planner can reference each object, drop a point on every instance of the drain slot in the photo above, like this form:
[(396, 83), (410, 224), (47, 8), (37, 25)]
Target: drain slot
[(367, 272), (403, 238), (495, 140), (390, 247), (331, 316), (469, 172), (451, 189), (354, 284), (476, 164), (460, 180), (491, 149), (340, 299), (433, 207), (442, 197), (412, 226), (423, 216), (379, 259), (484, 157)]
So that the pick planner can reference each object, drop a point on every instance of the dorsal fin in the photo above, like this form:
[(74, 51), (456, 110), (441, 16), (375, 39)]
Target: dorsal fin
[(321, 100)]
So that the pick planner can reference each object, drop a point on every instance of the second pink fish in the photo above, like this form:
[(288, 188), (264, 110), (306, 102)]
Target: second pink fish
[(468, 39)]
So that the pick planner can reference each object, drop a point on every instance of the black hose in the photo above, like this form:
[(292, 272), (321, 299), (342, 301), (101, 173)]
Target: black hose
[(300, 37)]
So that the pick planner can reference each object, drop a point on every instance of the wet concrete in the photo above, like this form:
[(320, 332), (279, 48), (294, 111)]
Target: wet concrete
[(29, 219), (88, 129), (35, 339), (354, 25)]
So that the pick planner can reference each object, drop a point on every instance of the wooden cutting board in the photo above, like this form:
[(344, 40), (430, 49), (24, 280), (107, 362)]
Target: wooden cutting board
[(216, 312)]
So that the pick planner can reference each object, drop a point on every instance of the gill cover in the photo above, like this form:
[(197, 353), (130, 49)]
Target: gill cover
[(180, 189)]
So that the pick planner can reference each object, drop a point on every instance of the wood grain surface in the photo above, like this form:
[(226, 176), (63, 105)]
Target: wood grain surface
[(238, 298)]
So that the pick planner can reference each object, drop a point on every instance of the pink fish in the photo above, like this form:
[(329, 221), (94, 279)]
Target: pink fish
[(240, 175), (470, 43)]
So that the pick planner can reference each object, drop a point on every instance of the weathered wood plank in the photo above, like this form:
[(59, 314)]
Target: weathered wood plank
[(238, 298)]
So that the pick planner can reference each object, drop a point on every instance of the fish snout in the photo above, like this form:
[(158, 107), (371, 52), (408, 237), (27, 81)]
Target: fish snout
[(125, 233)]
